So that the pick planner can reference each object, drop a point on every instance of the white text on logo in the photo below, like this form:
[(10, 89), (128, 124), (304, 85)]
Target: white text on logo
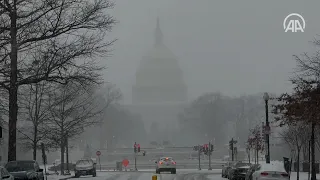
[(294, 25)]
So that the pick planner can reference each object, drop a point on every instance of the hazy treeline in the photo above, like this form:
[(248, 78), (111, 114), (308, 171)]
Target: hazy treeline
[(119, 127), (214, 116)]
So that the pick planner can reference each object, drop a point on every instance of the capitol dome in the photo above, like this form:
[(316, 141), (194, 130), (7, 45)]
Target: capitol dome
[(159, 77)]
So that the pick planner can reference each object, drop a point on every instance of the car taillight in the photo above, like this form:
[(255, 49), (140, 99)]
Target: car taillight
[(173, 162), (160, 162), (264, 174), (284, 174)]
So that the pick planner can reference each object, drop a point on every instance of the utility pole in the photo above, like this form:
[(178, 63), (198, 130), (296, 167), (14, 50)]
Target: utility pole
[(210, 151), (232, 153), (135, 156), (231, 147), (199, 153)]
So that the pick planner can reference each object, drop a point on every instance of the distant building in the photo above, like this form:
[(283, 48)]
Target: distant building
[(159, 92)]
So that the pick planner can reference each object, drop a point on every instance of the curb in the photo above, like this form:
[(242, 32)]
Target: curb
[(66, 178)]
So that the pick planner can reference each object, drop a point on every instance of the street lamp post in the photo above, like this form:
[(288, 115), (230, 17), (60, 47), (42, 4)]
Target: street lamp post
[(267, 129)]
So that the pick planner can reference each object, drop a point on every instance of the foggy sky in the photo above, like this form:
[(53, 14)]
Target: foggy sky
[(235, 47)]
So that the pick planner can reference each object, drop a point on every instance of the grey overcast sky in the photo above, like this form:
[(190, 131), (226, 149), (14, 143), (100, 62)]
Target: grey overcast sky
[(235, 47)]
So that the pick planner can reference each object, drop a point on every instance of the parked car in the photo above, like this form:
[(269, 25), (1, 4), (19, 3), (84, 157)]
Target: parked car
[(5, 175), (274, 171), (235, 166), (165, 164), (25, 170), (85, 167), (57, 167), (239, 173), (228, 169), (225, 169), (250, 171)]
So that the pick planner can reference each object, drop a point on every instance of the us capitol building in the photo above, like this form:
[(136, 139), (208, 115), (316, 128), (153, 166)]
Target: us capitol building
[(159, 93)]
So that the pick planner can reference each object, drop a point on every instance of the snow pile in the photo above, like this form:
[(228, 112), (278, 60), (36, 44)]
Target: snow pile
[(273, 166), (58, 177), (302, 176)]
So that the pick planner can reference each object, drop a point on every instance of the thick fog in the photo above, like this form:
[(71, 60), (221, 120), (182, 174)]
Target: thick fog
[(235, 48), (183, 73)]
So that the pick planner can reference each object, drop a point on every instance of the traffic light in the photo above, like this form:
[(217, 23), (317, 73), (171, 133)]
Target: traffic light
[(205, 148), (138, 147), (211, 147), (135, 148), (230, 145)]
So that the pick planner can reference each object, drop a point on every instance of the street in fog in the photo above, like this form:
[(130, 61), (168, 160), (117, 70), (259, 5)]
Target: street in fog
[(147, 175)]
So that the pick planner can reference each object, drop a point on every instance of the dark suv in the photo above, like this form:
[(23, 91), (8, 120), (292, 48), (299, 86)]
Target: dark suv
[(25, 170), (85, 167), (236, 170)]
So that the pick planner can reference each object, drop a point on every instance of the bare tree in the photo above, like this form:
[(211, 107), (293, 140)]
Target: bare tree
[(35, 112), (53, 35), (256, 141), (297, 136), (110, 95), (73, 108)]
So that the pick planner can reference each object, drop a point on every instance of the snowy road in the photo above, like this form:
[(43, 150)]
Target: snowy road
[(145, 175)]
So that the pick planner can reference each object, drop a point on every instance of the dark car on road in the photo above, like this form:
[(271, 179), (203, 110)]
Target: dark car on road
[(234, 167), (85, 167), (239, 173), (5, 175), (250, 171), (225, 168), (25, 170)]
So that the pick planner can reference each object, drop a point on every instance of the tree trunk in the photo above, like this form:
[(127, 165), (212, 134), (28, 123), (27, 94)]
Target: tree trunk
[(13, 89), (67, 152), (35, 125), (257, 156), (298, 161), (257, 151), (305, 148), (313, 157), (62, 157), (35, 143)]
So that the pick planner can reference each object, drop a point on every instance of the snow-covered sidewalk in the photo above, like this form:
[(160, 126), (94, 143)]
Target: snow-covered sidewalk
[(302, 176), (59, 177)]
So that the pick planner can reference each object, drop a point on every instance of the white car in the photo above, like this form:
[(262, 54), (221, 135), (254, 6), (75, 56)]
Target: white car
[(165, 164), (4, 174), (274, 171)]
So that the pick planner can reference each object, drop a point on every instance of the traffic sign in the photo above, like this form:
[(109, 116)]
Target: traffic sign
[(125, 162), (98, 153)]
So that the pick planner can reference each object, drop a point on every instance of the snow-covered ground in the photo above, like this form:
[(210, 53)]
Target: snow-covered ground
[(183, 174), (302, 176)]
